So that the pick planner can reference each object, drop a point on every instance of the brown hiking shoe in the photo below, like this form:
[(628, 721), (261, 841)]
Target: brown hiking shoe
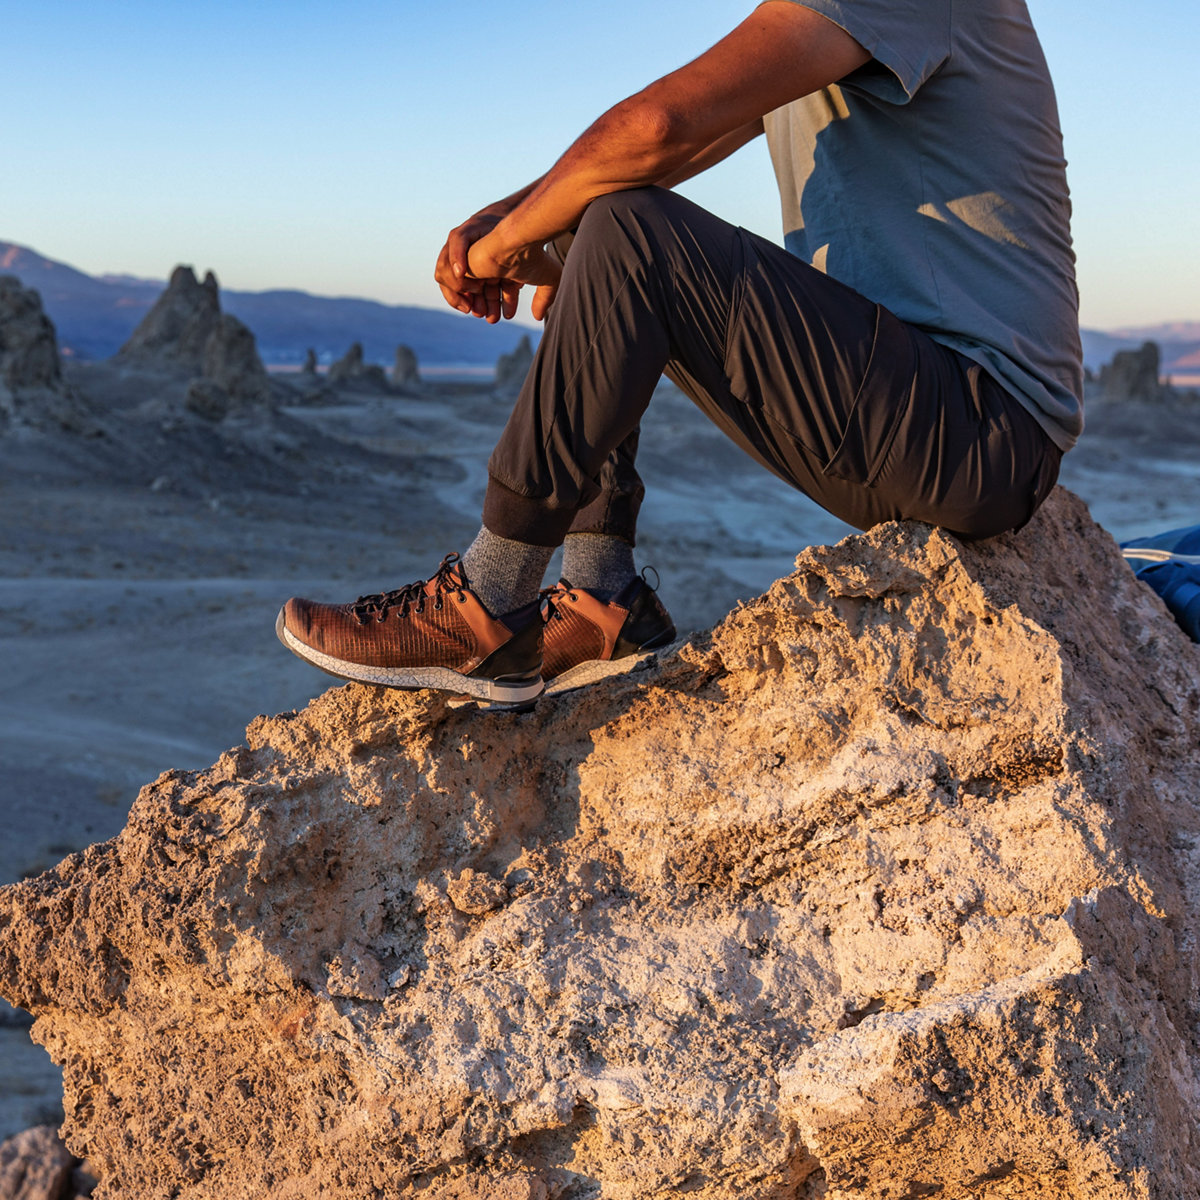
[(587, 638), (430, 634)]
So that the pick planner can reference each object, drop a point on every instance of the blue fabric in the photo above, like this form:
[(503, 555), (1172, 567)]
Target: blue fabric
[(1176, 580)]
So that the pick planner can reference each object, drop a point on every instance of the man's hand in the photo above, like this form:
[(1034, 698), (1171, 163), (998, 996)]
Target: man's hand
[(473, 294), (488, 259), (489, 297)]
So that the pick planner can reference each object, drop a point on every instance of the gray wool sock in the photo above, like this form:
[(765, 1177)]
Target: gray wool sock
[(504, 574), (602, 564)]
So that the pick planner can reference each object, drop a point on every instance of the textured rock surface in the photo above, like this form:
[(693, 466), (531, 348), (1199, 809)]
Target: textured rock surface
[(887, 888), (187, 330), (231, 361), (176, 330), (512, 368), (32, 391)]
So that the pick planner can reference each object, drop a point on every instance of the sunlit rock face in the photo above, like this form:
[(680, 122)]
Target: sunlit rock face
[(886, 887)]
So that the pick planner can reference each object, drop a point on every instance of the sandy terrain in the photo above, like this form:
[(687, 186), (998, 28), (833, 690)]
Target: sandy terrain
[(140, 573)]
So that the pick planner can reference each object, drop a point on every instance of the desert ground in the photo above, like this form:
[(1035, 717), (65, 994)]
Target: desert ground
[(142, 564)]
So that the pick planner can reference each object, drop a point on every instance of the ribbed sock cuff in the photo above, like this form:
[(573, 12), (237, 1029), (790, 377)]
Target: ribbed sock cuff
[(602, 564)]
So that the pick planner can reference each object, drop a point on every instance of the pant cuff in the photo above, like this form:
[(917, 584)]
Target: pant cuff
[(611, 514), (523, 518)]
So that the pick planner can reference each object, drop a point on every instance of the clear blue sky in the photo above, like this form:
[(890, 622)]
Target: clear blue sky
[(330, 146)]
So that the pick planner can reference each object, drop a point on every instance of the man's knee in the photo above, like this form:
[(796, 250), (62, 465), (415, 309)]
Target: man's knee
[(636, 218)]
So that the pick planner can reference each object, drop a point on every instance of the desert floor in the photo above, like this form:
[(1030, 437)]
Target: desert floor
[(141, 571)]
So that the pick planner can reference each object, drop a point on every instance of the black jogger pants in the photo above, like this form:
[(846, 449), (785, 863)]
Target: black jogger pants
[(833, 393)]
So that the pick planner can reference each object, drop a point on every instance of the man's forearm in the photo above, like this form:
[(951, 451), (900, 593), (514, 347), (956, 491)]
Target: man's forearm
[(570, 196), (631, 145)]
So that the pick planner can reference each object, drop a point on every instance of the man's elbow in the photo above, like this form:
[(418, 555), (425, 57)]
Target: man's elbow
[(647, 139)]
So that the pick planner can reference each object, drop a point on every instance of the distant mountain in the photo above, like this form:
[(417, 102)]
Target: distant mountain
[(1172, 331), (1179, 343), (94, 316)]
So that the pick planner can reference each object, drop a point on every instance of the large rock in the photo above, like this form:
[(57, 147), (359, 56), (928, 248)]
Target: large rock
[(1134, 375), (35, 1165), (28, 345), (406, 373), (511, 368), (176, 330), (231, 361), (33, 393), (187, 329), (354, 371), (886, 888)]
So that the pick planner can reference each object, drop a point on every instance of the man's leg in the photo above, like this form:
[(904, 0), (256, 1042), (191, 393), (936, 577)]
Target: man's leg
[(870, 417), (831, 392)]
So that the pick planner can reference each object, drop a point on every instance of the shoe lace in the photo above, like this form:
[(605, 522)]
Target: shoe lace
[(378, 605), (551, 597)]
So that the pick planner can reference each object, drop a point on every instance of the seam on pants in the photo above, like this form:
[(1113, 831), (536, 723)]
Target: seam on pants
[(591, 344)]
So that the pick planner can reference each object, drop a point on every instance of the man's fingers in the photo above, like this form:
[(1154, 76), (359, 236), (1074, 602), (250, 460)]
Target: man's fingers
[(446, 283), (457, 300), (509, 293), (457, 245), (460, 239), (543, 298)]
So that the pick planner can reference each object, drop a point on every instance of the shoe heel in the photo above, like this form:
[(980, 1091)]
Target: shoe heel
[(511, 695)]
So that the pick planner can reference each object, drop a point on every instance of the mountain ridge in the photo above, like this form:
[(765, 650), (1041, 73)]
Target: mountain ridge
[(95, 315)]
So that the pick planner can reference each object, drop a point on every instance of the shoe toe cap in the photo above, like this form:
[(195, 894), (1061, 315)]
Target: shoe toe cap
[(297, 618)]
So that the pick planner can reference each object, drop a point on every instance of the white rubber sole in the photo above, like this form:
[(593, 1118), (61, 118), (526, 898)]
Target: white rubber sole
[(596, 669), (485, 691)]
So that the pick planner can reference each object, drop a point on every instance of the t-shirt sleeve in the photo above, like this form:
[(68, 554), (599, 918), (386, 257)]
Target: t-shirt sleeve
[(908, 39)]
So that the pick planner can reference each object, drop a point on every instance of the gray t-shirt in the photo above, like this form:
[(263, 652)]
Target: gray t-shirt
[(932, 181)]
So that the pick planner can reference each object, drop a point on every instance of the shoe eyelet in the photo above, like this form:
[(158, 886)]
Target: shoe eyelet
[(462, 598)]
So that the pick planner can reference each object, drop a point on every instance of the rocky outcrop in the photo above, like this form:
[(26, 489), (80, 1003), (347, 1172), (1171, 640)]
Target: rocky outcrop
[(35, 1165), (406, 373), (352, 371), (231, 361), (28, 346), (177, 328), (1134, 375), (33, 393), (512, 368), (186, 329), (310, 362), (886, 888)]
